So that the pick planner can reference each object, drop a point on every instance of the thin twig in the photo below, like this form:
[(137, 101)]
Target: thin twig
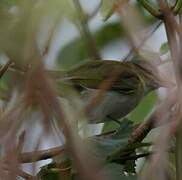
[(91, 45), (29, 157), (149, 7), (21, 141), (142, 131), (129, 56), (4, 68), (134, 157), (174, 35)]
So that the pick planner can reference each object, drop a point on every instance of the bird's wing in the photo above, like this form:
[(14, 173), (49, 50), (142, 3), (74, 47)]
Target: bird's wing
[(117, 76)]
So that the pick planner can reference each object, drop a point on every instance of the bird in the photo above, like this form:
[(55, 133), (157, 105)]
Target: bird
[(109, 89), (122, 86)]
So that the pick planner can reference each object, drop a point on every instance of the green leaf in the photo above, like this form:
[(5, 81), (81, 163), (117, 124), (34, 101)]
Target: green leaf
[(72, 54), (164, 48), (144, 108), (171, 165), (150, 7), (29, 15), (107, 146), (116, 172), (6, 84), (109, 126), (130, 165), (9, 2), (53, 171), (49, 172), (107, 8), (76, 51)]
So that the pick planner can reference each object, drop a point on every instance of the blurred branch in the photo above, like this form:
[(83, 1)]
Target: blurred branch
[(50, 36), (40, 155), (145, 154), (4, 68), (21, 141), (135, 157), (174, 35), (127, 13), (142, 131), (177, 7), (152, 10), (138, 135), (91, 45), (129, 56)]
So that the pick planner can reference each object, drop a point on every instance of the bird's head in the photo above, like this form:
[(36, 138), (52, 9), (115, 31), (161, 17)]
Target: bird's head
[(149, 73)]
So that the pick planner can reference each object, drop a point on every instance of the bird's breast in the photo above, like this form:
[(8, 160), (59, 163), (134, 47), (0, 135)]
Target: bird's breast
[(111, 104)]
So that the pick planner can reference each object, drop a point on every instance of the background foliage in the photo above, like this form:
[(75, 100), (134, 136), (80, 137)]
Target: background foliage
[(28, 96)]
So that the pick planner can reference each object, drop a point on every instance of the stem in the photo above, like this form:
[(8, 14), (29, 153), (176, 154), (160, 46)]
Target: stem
[(147, 5), (172, 31), (178, 152), (91, 45), (129, 56), (179, 155), (4, 68), (40, 155), (177, 7)]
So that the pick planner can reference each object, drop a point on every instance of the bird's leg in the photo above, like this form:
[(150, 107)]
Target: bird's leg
[(115, 120)]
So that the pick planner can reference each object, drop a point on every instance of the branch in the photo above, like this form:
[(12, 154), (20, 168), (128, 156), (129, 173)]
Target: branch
[(91, 45), (154, 119), (149, 7), (142, 131), (137, 136), (29, 157), (130, 53), (4, 68), (134, 157)]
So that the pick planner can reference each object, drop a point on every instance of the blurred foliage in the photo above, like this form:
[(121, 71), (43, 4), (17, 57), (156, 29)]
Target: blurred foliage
[(76, 50), (164, 48), (109, 126), (5, 85), (53, 172), (107, 8), (138, 114), (109, 149), (21, 23), (19, 43), (114, 171), (144, 108)]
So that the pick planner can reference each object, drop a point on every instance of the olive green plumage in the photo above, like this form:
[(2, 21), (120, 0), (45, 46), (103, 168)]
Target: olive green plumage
[(126, 84)]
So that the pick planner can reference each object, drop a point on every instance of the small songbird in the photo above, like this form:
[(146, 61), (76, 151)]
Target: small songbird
[(121, 85)]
